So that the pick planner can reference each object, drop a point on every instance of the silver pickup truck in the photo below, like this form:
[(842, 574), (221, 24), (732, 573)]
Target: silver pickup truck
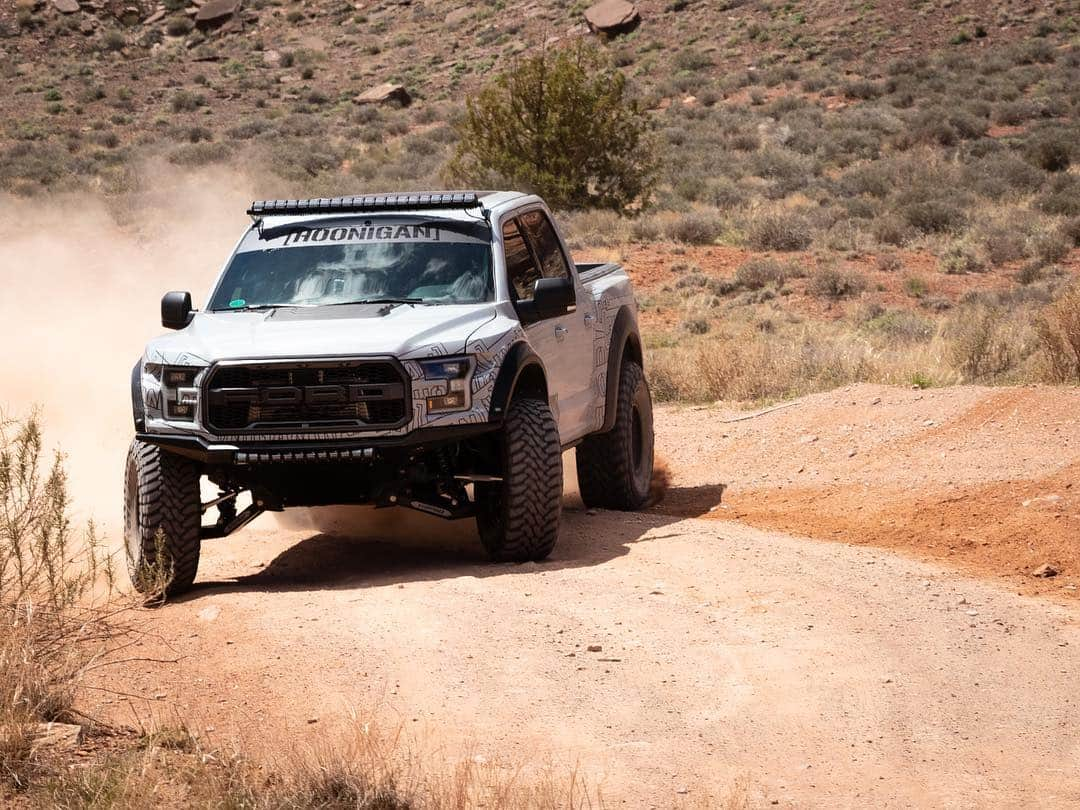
[(437, 351)]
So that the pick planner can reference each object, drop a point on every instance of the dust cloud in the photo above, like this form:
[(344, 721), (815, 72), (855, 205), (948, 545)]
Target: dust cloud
[(81, 279)]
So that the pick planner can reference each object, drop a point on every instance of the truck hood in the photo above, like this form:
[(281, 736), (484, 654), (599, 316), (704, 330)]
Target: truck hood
[(405, 331)]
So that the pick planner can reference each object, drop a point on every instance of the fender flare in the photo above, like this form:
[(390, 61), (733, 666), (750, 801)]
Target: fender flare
[(520, 362), (138, 408), (625, 342)]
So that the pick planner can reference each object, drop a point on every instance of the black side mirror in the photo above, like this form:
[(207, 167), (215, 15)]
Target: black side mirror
[(552, 297), (176, 311)]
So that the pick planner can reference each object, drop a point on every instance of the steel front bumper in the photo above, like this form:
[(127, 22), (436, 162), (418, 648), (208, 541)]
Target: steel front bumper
[(227, 454)]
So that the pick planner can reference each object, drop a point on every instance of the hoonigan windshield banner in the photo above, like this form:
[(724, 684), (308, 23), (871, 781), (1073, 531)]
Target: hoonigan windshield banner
[(361, 231)]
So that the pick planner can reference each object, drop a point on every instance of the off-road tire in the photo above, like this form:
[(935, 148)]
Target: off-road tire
[(161, 491), (615, 468), (518, 518)]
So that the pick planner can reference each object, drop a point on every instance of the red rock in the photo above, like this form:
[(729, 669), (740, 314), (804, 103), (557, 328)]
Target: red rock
[(384, 94), (612, 17), (216, 13)]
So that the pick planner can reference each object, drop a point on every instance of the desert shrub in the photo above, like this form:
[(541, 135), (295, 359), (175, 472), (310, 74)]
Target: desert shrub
[(890, 229), (179, 26), (696, 228), (691, 60), (835, 283), (1005, 244), (1070, 229), (249, 129), (1062, 197), (778, 230), (890, 263), (696, 326), (1030, 272), (933, 216), (1002, 174), (1049, 245), (692, 281), (962, 256), (527, 128), (50, 628), (863, 89), (113, 40), (186, 101), (915, 286), (724, 193), (979, 345), (645, 229), (200, 154), (1051, 151), (753, 274), (1058, 330), (901, 325)]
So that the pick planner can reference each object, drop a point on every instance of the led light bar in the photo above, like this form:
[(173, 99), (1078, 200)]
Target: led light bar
[(365, 202)]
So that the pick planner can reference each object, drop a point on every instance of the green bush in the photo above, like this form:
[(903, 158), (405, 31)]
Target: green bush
[(562, 124)]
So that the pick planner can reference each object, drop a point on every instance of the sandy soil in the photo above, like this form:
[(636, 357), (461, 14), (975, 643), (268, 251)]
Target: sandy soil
[(820, 672)]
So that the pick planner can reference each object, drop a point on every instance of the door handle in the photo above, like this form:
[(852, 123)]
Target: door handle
[(560, 332), (589, 318)]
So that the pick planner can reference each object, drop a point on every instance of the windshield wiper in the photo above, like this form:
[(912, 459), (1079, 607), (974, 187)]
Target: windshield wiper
[(376, 301), (260, 307)]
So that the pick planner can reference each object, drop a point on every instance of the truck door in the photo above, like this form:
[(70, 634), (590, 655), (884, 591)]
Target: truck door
[(564, 342)]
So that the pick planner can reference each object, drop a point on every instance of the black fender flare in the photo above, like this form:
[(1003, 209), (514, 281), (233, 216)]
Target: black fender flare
[(521, 365), (138, 408), (625, 342)]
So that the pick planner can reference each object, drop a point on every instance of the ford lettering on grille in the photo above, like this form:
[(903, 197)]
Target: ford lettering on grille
[(317, 395)]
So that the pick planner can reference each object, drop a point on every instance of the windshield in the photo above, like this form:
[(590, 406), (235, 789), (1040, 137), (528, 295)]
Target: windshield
[(343, 261)]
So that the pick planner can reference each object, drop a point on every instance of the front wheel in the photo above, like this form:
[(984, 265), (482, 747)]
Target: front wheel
[(162, 520), (518, 518), (615, 468)]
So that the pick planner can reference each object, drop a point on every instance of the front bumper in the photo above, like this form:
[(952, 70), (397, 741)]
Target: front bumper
[(226, 454)]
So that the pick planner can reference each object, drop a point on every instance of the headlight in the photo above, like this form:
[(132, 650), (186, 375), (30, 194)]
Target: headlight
[(457, 373), (181, 395)]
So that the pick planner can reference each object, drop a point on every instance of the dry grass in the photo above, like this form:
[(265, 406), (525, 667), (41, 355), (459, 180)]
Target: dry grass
[(762, 353), (1059, 333), (53, 629)]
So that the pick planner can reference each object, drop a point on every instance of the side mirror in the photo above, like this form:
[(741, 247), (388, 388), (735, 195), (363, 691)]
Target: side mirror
[(176, 311), (552, 297)]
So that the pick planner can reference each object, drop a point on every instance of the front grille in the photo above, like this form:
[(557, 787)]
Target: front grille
[(301, 395)]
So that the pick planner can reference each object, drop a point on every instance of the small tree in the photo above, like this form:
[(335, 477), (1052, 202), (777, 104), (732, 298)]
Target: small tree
[(560, 124)]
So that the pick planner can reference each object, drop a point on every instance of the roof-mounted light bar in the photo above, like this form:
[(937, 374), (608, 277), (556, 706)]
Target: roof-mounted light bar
[(365, 203)]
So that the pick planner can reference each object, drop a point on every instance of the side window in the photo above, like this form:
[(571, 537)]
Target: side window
[(521, 270), (545, 244)]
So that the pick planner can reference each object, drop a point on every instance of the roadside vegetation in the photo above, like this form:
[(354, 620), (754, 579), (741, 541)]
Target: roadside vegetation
[(64, 619)]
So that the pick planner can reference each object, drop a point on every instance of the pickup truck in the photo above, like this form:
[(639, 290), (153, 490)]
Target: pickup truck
[(436, 351)]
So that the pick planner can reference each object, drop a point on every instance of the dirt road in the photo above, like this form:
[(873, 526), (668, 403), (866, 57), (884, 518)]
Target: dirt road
[(821, 673)]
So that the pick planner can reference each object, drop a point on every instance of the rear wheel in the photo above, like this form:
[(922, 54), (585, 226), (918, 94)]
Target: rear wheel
[(615, 468), (518, 518), (162, 519)]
